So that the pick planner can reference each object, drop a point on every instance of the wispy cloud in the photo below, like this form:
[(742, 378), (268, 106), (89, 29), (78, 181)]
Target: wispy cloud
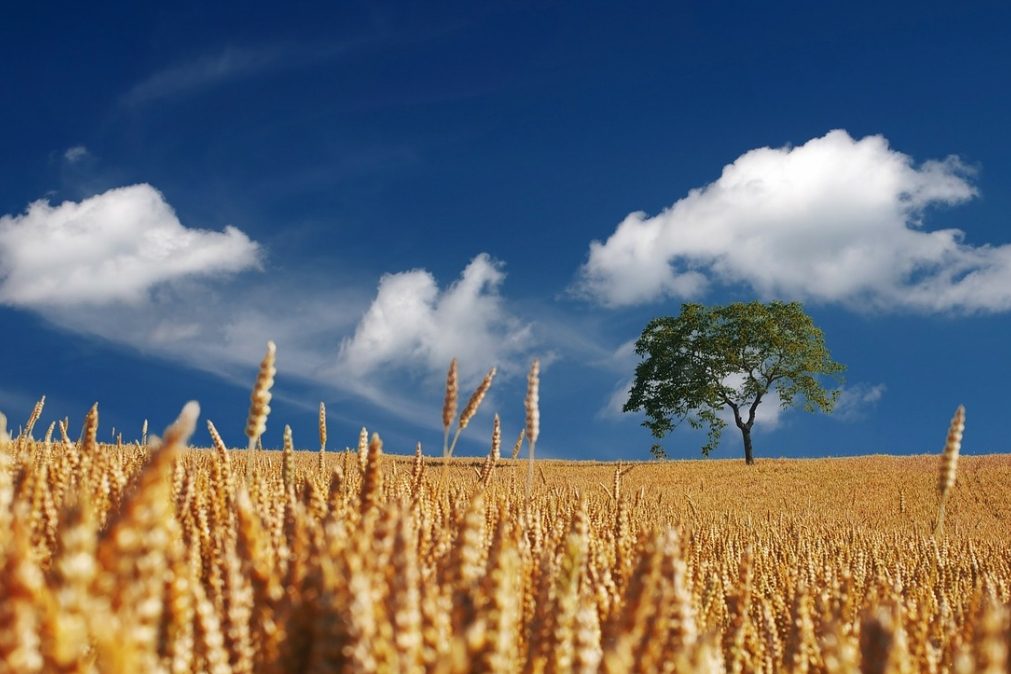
[(836, 220), (232, 63), (623, 359), (75, 154), (613, 408), (203, 72), (856, 401)]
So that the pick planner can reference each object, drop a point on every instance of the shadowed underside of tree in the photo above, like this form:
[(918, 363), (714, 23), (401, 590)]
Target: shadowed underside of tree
[(708, 360)]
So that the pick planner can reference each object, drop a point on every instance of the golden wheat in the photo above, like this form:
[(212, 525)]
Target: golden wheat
[(449, 405), (531, 404), (259, 401), (949, 464), (129, 558)]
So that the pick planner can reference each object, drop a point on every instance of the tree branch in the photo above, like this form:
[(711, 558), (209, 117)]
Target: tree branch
[(751, 410), (736, 408)]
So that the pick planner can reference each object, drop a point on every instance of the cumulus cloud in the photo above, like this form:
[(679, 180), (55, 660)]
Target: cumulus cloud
[(113, 247), (412, 324), (836, 220)]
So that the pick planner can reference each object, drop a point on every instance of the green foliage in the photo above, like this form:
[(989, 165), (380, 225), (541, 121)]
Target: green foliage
[(712, 358), (658, 452)]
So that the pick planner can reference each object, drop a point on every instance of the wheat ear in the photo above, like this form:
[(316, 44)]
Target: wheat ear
[(34, 418), (372, 478), (288, 461), (471, 409), (533, 426), (259, 400), (363, 449), (449, 405), (949, 465)]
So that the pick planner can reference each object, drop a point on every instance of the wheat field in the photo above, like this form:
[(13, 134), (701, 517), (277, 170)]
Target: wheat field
[(159, 557)]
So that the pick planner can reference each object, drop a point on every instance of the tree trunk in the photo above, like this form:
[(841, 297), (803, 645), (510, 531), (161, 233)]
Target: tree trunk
[(748, 458)]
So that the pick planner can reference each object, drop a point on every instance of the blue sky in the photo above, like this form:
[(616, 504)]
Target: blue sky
[(380, 186)]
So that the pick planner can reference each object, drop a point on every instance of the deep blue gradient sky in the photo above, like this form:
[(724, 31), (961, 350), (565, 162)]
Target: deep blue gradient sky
[(348, 141)]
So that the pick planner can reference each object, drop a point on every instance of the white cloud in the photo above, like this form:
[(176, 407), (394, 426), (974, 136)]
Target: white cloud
[(412, 324), (614, 407), (834, 220), (855, 401), (75, 154), (232, 63), (202, 72), (121, 267), (113, 247), (623, 359)]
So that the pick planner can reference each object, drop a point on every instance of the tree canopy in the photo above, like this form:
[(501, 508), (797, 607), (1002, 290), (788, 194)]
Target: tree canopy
[(709, 359)]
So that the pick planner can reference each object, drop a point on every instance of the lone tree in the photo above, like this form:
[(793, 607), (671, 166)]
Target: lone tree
[(729, 357)]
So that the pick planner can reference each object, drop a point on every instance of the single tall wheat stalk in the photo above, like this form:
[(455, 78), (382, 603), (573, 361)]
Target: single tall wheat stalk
[(259, 400), (288, 461), (322, 435), (363, 449), (449, 406), (34, 418), (372, 478), (949, 465), (493, 456), (533, 425)]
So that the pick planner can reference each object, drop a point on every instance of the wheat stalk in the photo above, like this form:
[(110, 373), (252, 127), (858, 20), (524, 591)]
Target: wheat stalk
[(287, 461), (949, 465), (34, 417), (372, 477), (471, 408), (259, 400), (494, 454), (363, 450), (449, 405), (531, 405), (322, 435)]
